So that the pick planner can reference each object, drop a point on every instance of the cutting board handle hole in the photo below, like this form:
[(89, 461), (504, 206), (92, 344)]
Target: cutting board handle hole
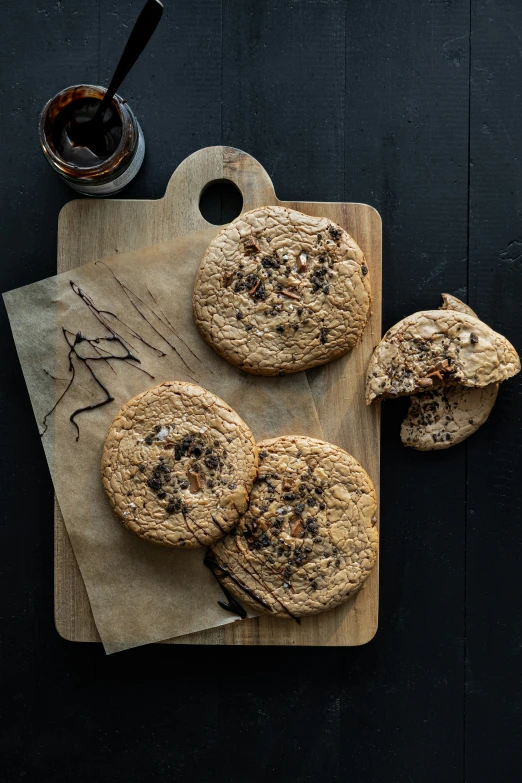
[(220, 202)]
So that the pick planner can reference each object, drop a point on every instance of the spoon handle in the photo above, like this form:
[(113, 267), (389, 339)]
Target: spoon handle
[(145, 25)]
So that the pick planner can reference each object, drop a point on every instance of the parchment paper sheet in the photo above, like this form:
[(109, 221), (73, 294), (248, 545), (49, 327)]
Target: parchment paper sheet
[(139, 592)]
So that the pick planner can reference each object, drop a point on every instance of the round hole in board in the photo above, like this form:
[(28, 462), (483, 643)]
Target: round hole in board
[(220, 202)]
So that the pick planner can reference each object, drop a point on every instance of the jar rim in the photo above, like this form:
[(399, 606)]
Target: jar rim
[(107, 166)]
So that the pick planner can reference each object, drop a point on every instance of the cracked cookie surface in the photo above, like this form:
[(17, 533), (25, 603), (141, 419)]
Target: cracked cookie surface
[(178, 465), (309, 538), (433, 348), (279, 291)]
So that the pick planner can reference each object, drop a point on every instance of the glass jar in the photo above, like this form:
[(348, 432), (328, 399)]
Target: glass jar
[(91, 174)]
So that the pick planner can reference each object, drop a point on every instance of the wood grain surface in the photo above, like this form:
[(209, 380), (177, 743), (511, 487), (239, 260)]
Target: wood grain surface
[(89, 229)]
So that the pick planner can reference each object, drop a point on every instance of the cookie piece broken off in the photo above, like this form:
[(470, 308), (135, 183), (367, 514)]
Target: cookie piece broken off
[(446, 416), (450, 302), (309, 538), (438, 347), (279, 291), (178, 465)]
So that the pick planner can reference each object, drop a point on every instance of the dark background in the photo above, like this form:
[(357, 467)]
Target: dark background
[(413, 107)]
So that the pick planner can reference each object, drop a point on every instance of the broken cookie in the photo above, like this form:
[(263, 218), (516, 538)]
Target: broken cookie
[(450, 399), (446, 416), (438, 348)]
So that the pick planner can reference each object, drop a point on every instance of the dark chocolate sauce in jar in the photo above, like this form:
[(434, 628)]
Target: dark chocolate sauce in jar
[(101, 169), (75, 113)]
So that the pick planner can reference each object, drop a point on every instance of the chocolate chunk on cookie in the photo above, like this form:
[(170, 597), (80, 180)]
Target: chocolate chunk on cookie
[(178, 465), (309, 538), (279, 291)]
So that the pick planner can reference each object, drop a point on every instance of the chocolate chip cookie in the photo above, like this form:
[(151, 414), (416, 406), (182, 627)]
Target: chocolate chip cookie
[(279, 291), (178, 465), (309, 538)]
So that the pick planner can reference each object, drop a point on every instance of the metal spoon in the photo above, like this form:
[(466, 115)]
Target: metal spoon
[(91, 134)]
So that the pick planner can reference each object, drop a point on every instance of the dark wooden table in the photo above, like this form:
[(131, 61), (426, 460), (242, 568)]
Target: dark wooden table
[(413, 107)]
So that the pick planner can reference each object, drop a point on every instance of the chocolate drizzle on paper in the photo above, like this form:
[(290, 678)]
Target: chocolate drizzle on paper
[(73, 341), (218, 570), (232, 605), (129, 293), (130, 355)]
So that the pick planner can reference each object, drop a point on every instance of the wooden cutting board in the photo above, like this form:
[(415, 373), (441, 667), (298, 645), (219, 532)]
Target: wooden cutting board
[(89, 229)]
